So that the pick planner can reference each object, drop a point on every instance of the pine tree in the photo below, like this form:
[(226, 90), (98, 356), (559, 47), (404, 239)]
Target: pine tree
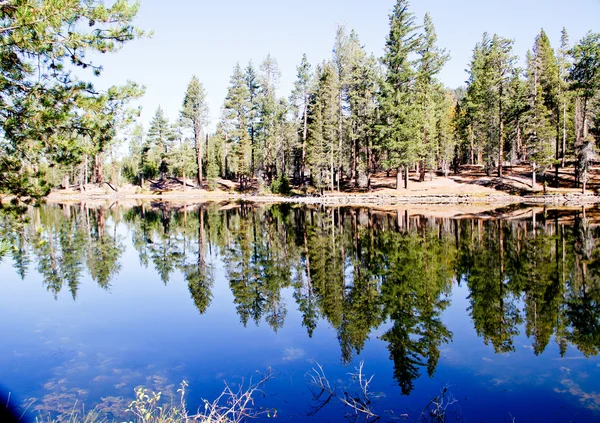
[(235, 117), (194, 115), (42, 43), (269, 77), (300, 97), (477, 102), (362, 98), (160, 137), (543, 105), (430, 63), (251, 79), (502, 67), (585, 79), (564, 96), (445, 130), (322, 126), (398, 129)]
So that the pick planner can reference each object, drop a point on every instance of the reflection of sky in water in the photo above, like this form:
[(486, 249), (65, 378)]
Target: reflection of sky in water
[(141, 332)]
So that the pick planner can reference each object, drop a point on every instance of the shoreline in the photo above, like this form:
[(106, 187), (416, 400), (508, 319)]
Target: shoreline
[(340, 199)]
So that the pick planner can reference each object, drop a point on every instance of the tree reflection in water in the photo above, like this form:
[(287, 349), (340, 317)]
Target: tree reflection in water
[(355, 268)]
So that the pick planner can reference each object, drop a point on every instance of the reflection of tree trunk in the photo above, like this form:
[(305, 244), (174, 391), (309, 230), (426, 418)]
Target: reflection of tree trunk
[(501, 243), (201, 261), (228, 232), (101, 223), (184, 229), (307, 258), (343, 251)]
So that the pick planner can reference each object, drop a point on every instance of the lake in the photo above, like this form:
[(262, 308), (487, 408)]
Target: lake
[(500, 310)]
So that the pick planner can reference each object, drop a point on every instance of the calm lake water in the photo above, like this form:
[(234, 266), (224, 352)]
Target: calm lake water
[(96, 300)]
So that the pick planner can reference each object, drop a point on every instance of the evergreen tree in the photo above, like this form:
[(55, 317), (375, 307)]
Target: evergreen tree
[(542, 73), (251, 79), (41, 101), (585, 79), (564, 95), (502, 67), (322, 127), (235, 112), (160, 137), (362, 101), (428, 89), (269, 77), (477, 102), (194, 115), (398, 130), (300, 98)]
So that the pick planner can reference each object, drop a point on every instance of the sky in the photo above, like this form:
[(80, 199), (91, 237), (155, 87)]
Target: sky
[(207, 38)]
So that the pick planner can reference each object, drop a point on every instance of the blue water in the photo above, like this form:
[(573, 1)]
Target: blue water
[(57, 351)]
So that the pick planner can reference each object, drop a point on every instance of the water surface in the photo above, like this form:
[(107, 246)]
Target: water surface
[(503, 311)]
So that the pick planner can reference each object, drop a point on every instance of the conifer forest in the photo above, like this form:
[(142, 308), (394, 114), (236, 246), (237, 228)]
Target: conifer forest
[(347, 118)]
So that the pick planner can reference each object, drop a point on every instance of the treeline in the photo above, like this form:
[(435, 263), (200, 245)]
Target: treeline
[(355, 268), (353, 115), (346, 118)]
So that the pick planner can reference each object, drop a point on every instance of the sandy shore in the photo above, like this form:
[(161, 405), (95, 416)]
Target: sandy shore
[(439, 191)]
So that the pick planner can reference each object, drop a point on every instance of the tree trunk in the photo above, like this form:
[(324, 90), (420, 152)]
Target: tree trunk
[(304, 137), (545, 181), (564, 137), (501, 133), (472, 138), (199, 148), (557, 153), (398, 178), (584, 125), (354, 157), (183, 174), (533, 169), (98, 170), (81, 181), (85, 169), (405, 177), (331, 170), (113, 170), (340, 137), (65, 182)]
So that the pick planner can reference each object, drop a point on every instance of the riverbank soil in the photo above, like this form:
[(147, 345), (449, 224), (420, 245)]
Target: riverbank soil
[(470, 181)]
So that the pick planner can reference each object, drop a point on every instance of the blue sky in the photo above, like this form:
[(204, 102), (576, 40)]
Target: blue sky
[(207, 38)]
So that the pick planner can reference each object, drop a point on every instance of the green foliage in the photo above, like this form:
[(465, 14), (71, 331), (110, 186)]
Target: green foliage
[(281, 185), (542, 116), (194, 116), (44, 109), (399, 128)]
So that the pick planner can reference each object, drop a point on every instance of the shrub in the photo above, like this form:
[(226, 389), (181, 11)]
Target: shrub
[(281, 185)]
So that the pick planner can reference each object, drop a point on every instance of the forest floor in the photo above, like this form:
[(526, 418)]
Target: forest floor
[(470, 186)]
